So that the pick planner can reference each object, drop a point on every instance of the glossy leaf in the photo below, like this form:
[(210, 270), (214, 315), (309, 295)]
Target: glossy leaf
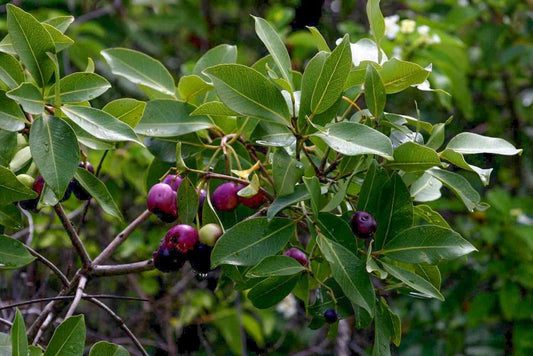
[(13, 254), (140, 68), (349, 271), (337, 229), (351, 139), (19, 340), (429, 215), (426, 188), (458, 160), (287, 172), (11, 72), (10, 217), (470, 143), (376, 21), (369, 196), (11, 116), (80, 87), (272, 290), (29, 96), (412, 157), (250, 241), (62, 23), (321, 43), (97, 189), (68, 338), (55, 151), (427, 243), (214, 108), (313, 186), (220, 54), (191, 85), (31, 41), (104, 348), (414, 281), (248, 92), (281, 202), (275, 47), (395, 211), (460, 186), (387, 328), (275, 266), (311, 74), (375, 95), (398, 75), (187, 202), (100, 124), (129, 111), (61, 41), (169, 118), (8, 146), (430, 273)]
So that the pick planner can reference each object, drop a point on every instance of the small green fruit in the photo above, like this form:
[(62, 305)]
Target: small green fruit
[(26, 180), (210, 233)]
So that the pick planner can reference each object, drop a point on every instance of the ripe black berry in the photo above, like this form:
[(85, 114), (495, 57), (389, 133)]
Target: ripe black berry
[(200, 258), (331, 316), (363, 224), (168, 259)]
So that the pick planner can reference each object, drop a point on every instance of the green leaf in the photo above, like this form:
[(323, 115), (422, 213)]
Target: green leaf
[(169, 118), (349, 271), (312, 72), (351, 139), (430, 273), (398, 75), (339, 196), (11, 72), (336, 229), (8, 146), (129, 111), (97, 189), (89, 140), (11, 190), (100, 124), (55, 151), (218, 55), (104, 348), (369, 196), (404, 119), (395, 211), (281, 202), (187, 202), (275, 47), (13, 254), (412, 157), (387, 328), (437, 136), (470, 143), (61, 41), (5, 344), (377, 22), (330, 83), (80, 87), (458, 160), (31, 41), (19, 340), (321, 43), (272, 290), (191, 85), (29, 96), (250, 241), (275, 266), (60, 22), (10, 217), (375, 94), (427, 243), (426, 188), (460, 186), (248, 92), (429, 215), (68, 338), (286, 172), (414, 281), (275, 135), (11, 116), (140, 68), (209, 214), (35, 351), (313, 186), (214, 108)]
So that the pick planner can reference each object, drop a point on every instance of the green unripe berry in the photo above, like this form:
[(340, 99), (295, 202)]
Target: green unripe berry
[(210, 233), (26, 180)]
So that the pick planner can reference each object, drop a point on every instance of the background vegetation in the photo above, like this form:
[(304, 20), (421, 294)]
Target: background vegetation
[(482, 53)]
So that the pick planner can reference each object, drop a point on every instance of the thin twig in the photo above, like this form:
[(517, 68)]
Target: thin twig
[(121, 237), (77, 298), (31, 227), (74, 238), (50, 265), (114, 270), (7, 322)]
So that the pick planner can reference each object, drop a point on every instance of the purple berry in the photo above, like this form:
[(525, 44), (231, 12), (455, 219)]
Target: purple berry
[(252, 202), (173, 180), (201, 198), (200, 258), (182, 236), (168, 259), (363, 224), (162, 202), (298, 255), (331, 316), (225, 197)]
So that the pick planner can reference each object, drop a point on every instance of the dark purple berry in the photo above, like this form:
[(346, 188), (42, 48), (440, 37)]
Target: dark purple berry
[(31, 204), (298, 255), (183, 237), (162, 202), (201, 198), (225, 197), (77, 188), (200, 258), (363, 224), (252, 202), (168, 259), (331, 316), (173, 180)]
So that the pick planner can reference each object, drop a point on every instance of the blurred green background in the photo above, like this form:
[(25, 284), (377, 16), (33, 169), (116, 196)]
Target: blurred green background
[(481, 53)]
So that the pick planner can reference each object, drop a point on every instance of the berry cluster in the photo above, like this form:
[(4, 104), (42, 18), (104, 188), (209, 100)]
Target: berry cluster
[(37, 185), (183, 242)]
